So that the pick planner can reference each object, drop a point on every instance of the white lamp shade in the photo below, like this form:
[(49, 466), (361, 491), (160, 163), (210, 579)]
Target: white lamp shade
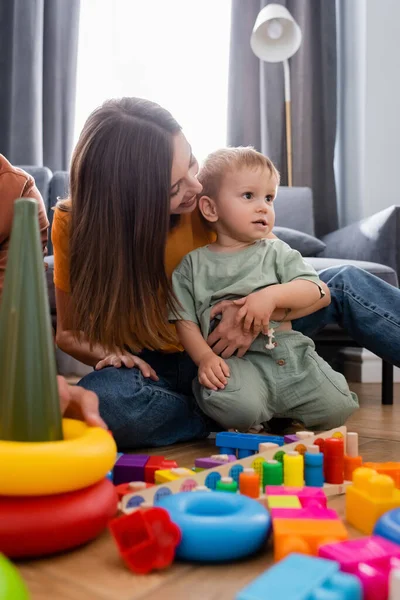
[(276, 35)]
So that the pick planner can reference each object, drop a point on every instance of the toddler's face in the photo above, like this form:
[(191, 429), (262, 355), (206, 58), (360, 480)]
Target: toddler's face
[(245, 204)]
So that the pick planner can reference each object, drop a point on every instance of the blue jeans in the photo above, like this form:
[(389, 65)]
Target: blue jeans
[(142, 413)]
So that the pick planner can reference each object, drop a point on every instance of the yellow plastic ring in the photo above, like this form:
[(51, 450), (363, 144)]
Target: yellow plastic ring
[(42, 468)]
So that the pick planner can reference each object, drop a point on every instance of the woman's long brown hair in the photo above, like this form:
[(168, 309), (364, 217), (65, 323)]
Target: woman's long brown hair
[(120, 195)]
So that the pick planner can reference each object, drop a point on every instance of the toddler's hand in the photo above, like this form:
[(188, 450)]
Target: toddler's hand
[(256, 310), (129, 361), (213, 372)]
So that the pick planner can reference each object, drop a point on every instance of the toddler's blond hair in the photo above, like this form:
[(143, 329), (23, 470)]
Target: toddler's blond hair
[(219, 163)]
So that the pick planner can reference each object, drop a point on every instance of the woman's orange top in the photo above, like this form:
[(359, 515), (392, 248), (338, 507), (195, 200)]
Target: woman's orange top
[(188, 235)]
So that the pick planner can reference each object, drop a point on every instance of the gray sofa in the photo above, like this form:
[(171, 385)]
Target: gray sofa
[(370, 244)]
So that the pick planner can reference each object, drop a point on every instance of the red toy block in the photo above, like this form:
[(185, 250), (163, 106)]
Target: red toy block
[(146, 539), (156, 463), (129, 488), (334, 460)]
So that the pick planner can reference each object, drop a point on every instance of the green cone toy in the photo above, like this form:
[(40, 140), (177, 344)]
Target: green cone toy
[(29, 402)]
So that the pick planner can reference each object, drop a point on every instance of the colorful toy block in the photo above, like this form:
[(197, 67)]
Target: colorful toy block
[(293, 469), (146, 539), (209, 462), (165, 475), (272, 473), (227, 484), (311, 512), (394, 584), (370, 559), (388, 468), (314, 468), (289, 439), (388, 526), (157, 463), (283, 502), (249, 483), (352, 460), (369, 497), (303, 578), (246, 444), (305, 535), (308, 496), (334, 460), (133, 486), (129, 467), (266, 446)]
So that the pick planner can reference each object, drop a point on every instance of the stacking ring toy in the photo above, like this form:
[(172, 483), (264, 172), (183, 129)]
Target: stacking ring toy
[(42, 525), (217, 527), (42, 468)]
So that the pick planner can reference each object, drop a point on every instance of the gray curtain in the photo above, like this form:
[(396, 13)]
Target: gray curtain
[(38, 55), (256, 100)]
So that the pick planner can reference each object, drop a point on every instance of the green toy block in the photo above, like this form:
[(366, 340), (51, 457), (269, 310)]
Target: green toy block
[(12, 586), (29, 407)]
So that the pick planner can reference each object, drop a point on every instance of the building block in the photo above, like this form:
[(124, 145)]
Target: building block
[(245, 444), (394, 584), (283, 502), (300, 577), (157, 463), (209, 462), (388, 468), (314, 469), (308, 496), (129, 467), (146, 539), (289, 439), (266, 446), (305, 535), (311, 512), (133, 486), (370, 559), (334, 460), (388, 526), (249, 483), (165, 475), (272, 473), (369, 497), (293, 469), (227, 484)]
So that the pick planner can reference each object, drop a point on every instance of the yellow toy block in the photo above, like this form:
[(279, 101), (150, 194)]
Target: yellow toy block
[(283, 502), (369, 497), (166, 475)]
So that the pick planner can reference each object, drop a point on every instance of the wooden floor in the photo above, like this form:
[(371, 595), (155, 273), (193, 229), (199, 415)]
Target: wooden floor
[(95, 571)]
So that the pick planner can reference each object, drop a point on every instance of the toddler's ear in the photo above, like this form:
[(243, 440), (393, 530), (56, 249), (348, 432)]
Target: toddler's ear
[(208, 209)]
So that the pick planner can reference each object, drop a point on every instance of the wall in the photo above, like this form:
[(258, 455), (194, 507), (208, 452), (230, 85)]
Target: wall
[(368, 148)]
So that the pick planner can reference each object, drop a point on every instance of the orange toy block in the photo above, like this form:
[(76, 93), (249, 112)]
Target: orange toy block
[(370, 496), (388, 468), (305, 535)]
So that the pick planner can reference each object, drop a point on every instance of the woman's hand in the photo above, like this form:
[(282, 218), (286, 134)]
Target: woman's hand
[(128, 360), (213, 372), (78, 403), (228, 337), (256, 310)]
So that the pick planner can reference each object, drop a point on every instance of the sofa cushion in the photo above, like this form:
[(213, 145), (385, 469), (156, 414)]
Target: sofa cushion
[(381, 271), (306, 244)]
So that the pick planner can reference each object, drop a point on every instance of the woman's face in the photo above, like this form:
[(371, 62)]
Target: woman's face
[(184, 184)]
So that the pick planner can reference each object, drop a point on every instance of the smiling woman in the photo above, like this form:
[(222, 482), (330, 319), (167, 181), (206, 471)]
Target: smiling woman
[(162, 51)]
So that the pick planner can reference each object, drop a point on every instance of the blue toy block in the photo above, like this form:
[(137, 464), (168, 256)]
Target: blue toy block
[(245, 443), (300, 577), (388, 526)]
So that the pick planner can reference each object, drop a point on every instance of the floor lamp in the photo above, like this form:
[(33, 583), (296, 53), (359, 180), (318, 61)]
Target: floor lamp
[(275, 38)]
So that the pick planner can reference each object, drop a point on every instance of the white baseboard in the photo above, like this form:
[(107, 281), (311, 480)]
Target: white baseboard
[(361, 365)]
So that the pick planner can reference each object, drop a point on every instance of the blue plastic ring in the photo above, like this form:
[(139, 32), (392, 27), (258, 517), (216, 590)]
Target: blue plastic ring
[(217, 526)]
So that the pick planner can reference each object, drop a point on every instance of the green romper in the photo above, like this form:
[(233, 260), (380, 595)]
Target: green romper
[(290, 380)]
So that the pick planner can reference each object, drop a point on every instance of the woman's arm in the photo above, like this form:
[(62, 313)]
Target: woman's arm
[(67, 340)]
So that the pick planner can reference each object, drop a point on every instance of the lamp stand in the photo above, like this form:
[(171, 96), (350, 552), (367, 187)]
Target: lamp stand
[(288, 114)]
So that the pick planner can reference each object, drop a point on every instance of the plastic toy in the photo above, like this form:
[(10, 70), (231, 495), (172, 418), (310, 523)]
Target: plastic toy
[(246, 444), (293, 469), (130, 467), (305, 535), (266, 446), (272, 473), (370, 559), (290, 438), (388, 468), (352, 460), (214, 461), (300, 577), (314, 467), (28, 384), (12, 586), (40, 468), (388, 526), (308, 496), (283, 502), (41, 525), (133, 486), (156, 463), (334, 460), (310, 512), (249, 483), (146, 539), (218, 526), (369, 497), (41, 455), (394, 584), (211, 476), (171, 474), (227, 484)]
